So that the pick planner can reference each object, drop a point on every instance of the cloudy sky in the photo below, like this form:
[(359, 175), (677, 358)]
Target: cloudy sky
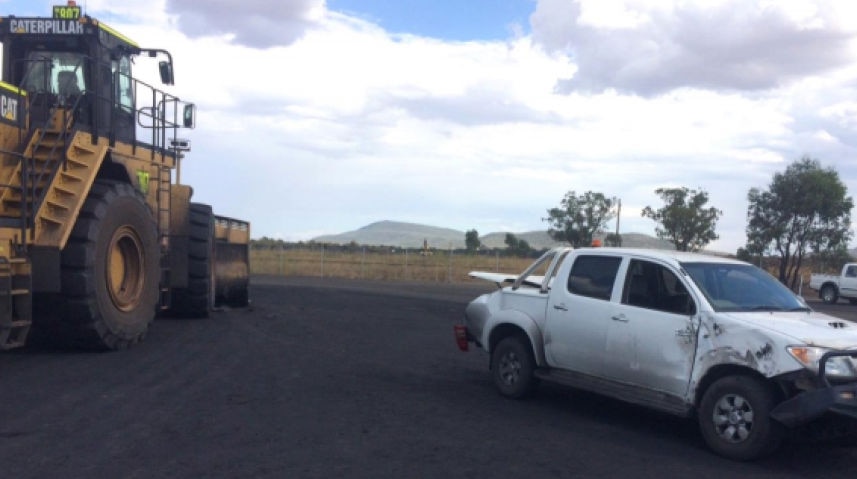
[(320, 117)]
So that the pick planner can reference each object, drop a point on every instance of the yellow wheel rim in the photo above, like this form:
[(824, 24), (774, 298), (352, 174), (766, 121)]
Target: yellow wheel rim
[(126, 273)]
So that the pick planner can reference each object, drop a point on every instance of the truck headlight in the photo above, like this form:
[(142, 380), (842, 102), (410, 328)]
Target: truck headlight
[(841, 367)]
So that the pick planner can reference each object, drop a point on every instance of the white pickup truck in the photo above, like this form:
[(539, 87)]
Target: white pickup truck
[(830, 288), (692, 335)]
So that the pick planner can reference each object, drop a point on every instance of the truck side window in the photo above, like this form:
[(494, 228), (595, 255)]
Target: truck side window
[(851, 271), (593, 276), (652, 286)]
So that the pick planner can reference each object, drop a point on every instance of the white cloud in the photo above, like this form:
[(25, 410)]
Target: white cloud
[(649, 48), (253, 23), (334, 123)]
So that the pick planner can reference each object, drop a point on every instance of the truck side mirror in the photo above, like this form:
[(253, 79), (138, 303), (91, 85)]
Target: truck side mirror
[(189, 115), (166, 69)]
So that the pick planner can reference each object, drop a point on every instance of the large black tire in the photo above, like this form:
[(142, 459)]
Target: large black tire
[(735, 421), (110, 269), (196, 300), (828, 294), (513, 368)]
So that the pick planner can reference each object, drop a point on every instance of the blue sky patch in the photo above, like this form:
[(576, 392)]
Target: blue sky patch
[(457, 20)]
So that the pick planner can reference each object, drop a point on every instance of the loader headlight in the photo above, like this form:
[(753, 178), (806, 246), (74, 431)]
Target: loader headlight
[(841, 367)]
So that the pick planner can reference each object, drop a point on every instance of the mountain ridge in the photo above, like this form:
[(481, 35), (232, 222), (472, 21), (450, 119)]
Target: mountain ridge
[(402, 234)]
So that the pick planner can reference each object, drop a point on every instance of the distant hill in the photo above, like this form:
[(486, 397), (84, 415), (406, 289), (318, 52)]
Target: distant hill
[(412, 235), (399, 234)]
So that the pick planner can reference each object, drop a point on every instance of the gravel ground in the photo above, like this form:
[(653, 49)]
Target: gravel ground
[(334, 378)]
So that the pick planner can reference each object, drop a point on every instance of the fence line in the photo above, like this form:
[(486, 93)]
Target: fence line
[(383, 264)]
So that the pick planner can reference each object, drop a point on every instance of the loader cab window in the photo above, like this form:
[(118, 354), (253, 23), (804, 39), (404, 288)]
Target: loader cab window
[(54, 73)]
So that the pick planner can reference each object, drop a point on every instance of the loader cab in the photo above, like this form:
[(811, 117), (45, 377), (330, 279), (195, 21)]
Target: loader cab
[(73, 63)]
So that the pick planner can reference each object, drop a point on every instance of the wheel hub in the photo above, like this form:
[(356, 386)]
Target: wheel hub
[(733, 418), (510, 367), (125, 269)]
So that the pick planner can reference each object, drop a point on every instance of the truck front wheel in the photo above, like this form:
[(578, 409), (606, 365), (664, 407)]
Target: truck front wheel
[(513, 368), (734, 418), (829, 294)]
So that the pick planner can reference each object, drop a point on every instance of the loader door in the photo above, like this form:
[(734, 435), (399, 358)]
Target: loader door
[(123, 96)]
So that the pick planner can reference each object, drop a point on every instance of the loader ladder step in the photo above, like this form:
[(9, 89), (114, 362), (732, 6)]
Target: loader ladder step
[(15, 302), (163, 200), (165, 298)]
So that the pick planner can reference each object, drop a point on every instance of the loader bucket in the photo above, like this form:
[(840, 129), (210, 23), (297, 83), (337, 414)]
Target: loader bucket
[(231, 262)]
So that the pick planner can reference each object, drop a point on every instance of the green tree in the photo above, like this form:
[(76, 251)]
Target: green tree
[(471, 241), (517, 247), (684, 220), (578, 218), (804, 208), (831, 260)]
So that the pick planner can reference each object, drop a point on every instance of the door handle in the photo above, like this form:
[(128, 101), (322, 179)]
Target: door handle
[(620, 317), (560, 307)]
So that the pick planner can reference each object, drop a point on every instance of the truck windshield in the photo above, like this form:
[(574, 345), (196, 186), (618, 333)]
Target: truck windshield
[(742, 287), (58, 73)]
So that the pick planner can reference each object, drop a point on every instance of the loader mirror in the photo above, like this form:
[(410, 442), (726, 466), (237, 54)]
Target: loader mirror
[(189, 115), (166, 69)]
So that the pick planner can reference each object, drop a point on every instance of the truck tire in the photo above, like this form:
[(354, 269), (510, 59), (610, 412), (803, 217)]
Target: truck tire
[(829, 294), (110, 269), (734, 418), (513, 368), (196, 300)]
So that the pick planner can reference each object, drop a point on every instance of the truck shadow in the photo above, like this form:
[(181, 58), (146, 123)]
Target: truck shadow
[(677, 439)]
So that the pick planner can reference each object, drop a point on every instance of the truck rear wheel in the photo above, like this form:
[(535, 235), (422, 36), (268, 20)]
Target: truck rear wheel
[(110, 270), (196, 300), (513, 368), (829, 294)]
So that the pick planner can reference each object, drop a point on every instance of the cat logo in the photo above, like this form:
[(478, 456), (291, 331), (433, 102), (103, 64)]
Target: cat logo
[(9, 108)]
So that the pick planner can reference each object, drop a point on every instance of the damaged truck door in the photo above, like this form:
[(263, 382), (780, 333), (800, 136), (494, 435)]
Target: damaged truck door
[(651, 339)]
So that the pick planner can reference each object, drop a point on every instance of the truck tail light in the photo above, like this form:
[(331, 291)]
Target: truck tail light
[(461, 337)]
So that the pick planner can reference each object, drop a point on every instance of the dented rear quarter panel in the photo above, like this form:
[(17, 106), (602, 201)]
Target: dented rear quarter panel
[(523, 308)]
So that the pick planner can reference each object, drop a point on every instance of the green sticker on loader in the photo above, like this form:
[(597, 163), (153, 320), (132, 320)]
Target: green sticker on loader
[(143, 181)]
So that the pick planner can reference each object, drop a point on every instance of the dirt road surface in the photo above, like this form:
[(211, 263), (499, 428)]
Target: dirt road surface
[(332, 378)]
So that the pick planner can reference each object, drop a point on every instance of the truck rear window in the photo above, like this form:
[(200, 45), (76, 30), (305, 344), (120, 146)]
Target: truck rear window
[(594, 276)]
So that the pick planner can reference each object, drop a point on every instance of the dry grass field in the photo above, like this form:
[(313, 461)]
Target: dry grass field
[(389, 265), (398, 264)]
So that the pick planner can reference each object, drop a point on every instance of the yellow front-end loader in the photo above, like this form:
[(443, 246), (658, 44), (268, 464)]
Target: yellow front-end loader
[(96, 236)]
